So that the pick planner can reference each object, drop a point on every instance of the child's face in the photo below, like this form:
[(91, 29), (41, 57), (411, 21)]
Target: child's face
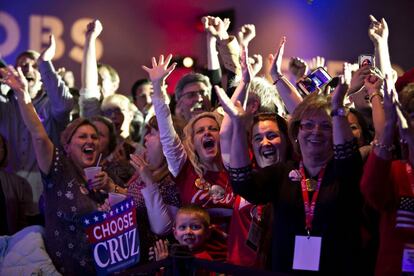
[(189, 230)]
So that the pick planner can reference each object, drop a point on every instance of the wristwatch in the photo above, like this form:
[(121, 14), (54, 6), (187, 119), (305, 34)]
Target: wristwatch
[(340, 111)]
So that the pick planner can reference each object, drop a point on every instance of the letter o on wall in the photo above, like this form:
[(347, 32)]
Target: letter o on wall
[(12, 34)]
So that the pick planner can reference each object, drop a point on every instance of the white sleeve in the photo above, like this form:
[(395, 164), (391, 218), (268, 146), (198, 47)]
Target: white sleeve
[(159, 214), (172, 146)]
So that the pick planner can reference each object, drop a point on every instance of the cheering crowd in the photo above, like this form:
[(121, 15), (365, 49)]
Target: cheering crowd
[(241, 165)]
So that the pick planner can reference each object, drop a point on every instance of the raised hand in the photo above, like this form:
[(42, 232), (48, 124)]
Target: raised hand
[(340, 92), (256, 61), (378, 31), (216, 27), (49, 52), (160, 70), (94, 29), (373, 83), (246, 34), (159, 251), (15, 79), (142, 167), (234, 110), (276, 69), (358, 79), (298, 67), (317, 62)]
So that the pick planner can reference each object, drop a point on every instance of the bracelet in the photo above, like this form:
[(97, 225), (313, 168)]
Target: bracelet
[(376, 143), (374, 95), (280, 77)]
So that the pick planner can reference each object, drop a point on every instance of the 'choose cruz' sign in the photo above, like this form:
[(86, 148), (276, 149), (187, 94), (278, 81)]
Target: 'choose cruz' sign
[(113, 237)]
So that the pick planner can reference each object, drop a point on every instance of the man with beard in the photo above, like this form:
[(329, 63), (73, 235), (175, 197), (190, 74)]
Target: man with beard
[(53, 102), (192, 93)]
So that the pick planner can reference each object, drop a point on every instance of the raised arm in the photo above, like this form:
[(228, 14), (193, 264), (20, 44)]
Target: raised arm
[(90, 96), (228, 47), (61, 99), (378, 33), (286, 89), (239, 153), (210, 27), (171, 144), (213, 63), (373, 85), (239, 95), (342, 132), (376, 179), (42, 144)]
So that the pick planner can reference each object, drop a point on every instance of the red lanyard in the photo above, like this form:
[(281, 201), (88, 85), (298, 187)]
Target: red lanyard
[(410, 175), (310, 206)]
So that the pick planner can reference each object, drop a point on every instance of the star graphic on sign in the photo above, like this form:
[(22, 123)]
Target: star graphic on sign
[(127, 205), (132, 203), (122, 207), (116, 210), (111, 213), (86, 221), (104, 216), (95, 218)]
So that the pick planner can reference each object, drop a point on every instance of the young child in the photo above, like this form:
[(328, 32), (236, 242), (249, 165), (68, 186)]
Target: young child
[(191, 229)]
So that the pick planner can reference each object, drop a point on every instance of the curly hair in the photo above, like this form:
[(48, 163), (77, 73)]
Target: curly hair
[(188, 140)]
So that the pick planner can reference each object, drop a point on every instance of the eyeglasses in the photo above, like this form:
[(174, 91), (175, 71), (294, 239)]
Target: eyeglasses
[(194, 94), (309, 126)]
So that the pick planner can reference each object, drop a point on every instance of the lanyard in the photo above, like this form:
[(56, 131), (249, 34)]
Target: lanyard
[(410, 175), (310, 206)]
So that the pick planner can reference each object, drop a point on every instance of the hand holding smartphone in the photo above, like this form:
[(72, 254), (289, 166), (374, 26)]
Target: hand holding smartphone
[(316, 79), (366, 59)]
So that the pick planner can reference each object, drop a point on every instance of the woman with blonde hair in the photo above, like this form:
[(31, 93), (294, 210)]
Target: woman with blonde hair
[(195, 161)]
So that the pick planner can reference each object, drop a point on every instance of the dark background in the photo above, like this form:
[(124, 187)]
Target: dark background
[(134, 31)]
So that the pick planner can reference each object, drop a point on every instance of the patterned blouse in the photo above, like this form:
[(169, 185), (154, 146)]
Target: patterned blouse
[(66, 201)]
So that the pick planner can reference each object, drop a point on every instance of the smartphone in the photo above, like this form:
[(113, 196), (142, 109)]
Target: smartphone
[(366, 60), (316, 79)]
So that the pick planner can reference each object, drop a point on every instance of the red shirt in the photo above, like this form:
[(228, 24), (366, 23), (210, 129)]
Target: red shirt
[(220, 210), (238, 252), (382, 184)]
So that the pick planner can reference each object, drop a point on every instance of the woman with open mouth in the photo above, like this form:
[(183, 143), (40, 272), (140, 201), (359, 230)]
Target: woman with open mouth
[(195, 161), (68, 195), (316, 200)]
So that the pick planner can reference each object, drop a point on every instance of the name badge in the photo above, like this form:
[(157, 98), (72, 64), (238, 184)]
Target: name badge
[(307, 253), (408, 258)]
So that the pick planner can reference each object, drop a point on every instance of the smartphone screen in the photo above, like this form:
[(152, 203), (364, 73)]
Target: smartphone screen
[(316, 79)]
